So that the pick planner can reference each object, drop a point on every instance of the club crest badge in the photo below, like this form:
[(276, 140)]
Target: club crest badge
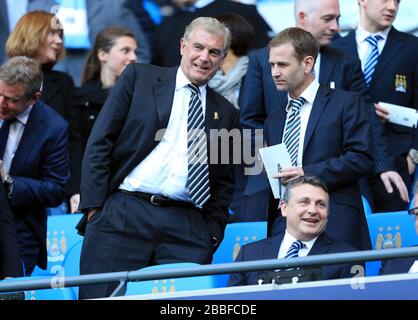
[(400, 83)]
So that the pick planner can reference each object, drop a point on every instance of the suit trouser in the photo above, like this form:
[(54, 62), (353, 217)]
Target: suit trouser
[(130, 233), (29, 245)]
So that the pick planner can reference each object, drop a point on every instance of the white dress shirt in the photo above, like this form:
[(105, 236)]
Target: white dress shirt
[(363, 47), (288, 240), (309, 94), (16, 130), (165, 170)]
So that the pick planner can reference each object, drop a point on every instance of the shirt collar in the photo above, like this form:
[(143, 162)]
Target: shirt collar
[(362, 34), (308, 94), (289, 239), (23, 117), (182, 81)]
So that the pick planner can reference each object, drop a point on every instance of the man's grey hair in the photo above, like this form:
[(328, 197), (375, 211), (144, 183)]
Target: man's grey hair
[(22, 71), (210, 25), (306, 179)]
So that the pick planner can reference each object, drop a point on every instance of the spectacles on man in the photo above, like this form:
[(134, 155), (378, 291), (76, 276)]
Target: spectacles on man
[(413, 213)]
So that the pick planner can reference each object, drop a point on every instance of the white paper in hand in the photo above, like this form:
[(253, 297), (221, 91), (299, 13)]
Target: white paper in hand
[(404, 116), (272, 157)]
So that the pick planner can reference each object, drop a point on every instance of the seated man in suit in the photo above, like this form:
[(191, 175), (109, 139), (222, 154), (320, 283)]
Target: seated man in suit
[(305, 207), (34, 151), (404, 265), (10, 260)]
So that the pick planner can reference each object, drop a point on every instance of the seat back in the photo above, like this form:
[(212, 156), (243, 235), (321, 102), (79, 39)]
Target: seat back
[(236, 235), (388, 230), (170, 285)]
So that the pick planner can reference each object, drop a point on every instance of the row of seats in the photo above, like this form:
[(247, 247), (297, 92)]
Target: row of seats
[(387, 230)]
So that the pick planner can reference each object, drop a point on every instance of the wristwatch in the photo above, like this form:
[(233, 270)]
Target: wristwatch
[(8, 183), (414, 155)]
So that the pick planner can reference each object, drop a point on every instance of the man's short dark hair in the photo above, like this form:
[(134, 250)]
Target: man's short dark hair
[(306, 179), (302, 41)]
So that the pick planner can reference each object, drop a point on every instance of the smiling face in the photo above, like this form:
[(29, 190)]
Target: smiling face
[(306, 211), (377, 15), (50, 51), (202, 55)]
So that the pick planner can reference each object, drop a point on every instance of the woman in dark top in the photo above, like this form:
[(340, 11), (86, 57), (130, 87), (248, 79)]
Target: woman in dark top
[(39, 35), (113, 50)]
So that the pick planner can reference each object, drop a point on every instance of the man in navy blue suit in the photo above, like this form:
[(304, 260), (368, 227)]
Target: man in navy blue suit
[(404, 265), (137, 180), (333, 69), (394, 79), (34, 153), (333, 140), (305, 205)]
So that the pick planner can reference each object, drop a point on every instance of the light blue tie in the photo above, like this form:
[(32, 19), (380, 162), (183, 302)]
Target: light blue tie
[(293, 251), (372, 58), (198, 170), (292, 129)]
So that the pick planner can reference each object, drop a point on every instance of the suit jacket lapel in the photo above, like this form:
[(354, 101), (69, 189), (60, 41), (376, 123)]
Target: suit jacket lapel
[(350, 44), (321, 245), (276, 125), (271, 250), (319, 104), (392, 46), (164, 95), (33, 129), (213, 113)]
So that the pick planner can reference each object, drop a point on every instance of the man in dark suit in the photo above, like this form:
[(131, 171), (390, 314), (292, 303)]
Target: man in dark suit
[(165, 43), (394, 79), (138, 179), (10, 259), (332, 140), (404, 265), (34, 151), (305, 207), (334, 69)]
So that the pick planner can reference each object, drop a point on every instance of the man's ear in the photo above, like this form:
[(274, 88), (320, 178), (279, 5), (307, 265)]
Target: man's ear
[(309, 62), (283, 207)]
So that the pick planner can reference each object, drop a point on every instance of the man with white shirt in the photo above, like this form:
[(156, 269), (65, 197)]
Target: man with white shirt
[(390, 67), (148, 200), (404, 265), (305, 205), (325, 131), (333, 68), (34, 156)]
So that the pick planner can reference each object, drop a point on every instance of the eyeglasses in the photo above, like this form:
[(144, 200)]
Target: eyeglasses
[(413, 213)]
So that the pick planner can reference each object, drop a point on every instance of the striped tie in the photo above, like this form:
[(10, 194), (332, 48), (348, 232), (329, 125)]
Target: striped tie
[(292, 129), (293, 251), (197, 150), (372, 58)]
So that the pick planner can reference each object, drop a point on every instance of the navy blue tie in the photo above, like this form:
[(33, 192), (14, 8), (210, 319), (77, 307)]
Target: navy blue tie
[(198, 169), (292, 129), (372, 59), (294, 249), (4, 135)]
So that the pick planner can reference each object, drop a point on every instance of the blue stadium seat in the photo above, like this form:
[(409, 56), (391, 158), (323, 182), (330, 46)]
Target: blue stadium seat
[(61, 236), (236, 235), (388, 230), (170, 285)]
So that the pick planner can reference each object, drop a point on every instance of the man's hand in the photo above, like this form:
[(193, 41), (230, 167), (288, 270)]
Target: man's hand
[(382, 113), (390, 177), (74, 202), (287, 174)]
